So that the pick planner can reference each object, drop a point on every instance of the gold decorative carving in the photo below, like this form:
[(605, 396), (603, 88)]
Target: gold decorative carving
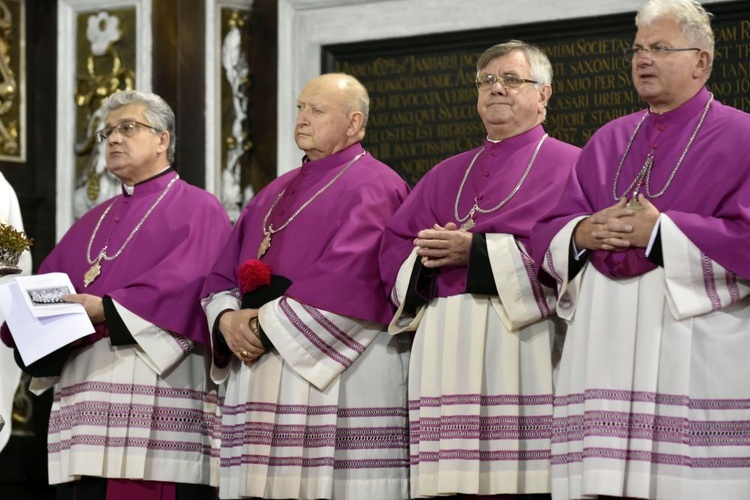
[(106, 56), (23, 409), (11, 40)]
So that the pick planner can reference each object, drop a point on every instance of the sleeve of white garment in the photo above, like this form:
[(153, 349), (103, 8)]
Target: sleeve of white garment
[(158, 348), (556, 264), (318, 345), (10, 373), (695, 283), (402, 321), (522, 299)]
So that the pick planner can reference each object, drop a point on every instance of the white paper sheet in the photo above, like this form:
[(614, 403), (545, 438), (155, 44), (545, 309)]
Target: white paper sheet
[(43, 294), (36, 337)]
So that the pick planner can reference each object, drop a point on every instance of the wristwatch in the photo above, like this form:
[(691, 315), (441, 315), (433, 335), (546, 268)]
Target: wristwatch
[(255, 326)]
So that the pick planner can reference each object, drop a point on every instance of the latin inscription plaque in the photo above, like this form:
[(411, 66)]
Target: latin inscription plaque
[(423, 97)]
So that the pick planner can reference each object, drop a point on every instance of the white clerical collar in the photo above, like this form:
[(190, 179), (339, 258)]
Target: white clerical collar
[(493, 140), (131, 189)]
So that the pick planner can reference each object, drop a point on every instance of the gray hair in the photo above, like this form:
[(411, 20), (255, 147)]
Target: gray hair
[(694, 20), (541, 68), (158, 112)]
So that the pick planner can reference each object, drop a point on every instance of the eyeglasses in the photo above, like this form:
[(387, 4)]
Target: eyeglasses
[(656, 51), (509, 81), (126, 129)]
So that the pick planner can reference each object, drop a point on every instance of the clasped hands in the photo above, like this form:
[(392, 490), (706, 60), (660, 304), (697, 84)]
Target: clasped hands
[(443, 246), (617, 228), (243, 342)]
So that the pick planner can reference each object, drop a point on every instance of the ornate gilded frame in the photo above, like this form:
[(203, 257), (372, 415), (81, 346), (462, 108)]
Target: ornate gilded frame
[(13, 80)]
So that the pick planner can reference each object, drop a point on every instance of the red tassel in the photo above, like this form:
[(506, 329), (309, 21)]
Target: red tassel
[(253, 274)]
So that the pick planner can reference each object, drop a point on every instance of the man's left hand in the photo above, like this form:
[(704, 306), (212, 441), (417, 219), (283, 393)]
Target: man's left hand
[(92, 304), (443, 246)]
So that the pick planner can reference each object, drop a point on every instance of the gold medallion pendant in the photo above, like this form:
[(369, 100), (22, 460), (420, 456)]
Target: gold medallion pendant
[(92, 273), (467, 225), (264, 245), (634, 204)]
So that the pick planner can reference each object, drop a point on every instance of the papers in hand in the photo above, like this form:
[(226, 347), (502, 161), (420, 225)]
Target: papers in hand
[(38, 319), (43, 294)]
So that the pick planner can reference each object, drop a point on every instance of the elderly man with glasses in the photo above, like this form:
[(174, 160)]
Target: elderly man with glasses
[(649, 251), (134, 405), (455, 261)]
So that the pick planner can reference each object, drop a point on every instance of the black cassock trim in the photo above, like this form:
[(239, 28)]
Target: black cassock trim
[(479, 277)]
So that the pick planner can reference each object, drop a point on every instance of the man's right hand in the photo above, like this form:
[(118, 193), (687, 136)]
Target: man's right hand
[(605, 230), (235, 327)]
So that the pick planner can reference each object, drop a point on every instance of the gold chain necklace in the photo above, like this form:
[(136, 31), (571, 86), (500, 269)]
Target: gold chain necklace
[(96, 268), (269, 231), (468, 221), (644, 176)]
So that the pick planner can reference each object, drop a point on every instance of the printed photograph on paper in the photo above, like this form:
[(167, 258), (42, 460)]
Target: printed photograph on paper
[(47, 296)]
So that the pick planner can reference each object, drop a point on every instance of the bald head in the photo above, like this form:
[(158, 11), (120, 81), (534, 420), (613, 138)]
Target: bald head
[(332, 113), (354, 95)]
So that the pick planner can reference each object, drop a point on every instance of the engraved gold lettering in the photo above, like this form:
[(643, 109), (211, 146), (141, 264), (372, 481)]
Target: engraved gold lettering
[(725, 34), (423, 102), (736, 69)]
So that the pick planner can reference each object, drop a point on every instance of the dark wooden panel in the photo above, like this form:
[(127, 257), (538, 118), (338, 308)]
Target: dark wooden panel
[(262, 100), (179, 66)]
